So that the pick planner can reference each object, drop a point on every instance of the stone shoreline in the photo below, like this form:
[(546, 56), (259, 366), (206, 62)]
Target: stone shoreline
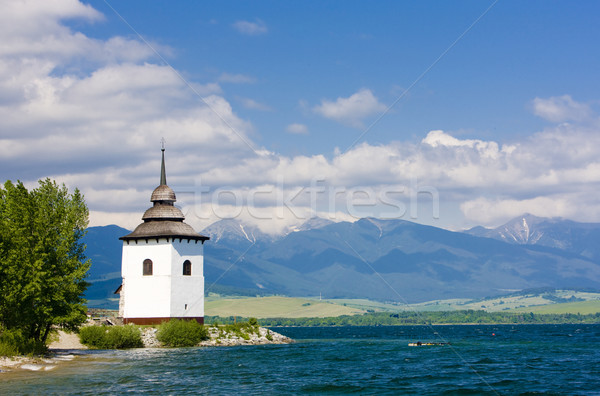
[(67, 347), (220, 338)]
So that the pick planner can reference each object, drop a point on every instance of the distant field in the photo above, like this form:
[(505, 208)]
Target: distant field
[(376, 306), (582, 307), (364, 305), (292, 307), (276, 307)]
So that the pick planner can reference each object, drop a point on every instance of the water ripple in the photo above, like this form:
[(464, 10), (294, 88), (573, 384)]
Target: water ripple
[(364, 360)]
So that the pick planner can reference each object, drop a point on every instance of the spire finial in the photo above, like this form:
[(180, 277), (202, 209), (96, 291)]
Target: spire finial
[(163, 173)]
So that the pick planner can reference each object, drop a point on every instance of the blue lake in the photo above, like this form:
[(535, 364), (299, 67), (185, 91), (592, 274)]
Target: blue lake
[(491, 359)]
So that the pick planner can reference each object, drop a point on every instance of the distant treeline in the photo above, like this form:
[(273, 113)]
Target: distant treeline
[(421, 318)]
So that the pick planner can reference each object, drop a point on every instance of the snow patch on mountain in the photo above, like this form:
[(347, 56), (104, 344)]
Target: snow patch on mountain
[(313, 223), (376, 225), (232, 229), (522, 230), (554, 232)]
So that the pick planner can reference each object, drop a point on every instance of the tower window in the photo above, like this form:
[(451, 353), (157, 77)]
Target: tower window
[(187, 267), (147, 267)]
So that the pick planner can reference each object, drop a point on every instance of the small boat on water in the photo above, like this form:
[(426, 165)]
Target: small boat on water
[(419, 343)]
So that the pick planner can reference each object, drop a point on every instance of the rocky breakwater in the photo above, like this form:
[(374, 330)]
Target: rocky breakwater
[(219, 336), (226, 336)]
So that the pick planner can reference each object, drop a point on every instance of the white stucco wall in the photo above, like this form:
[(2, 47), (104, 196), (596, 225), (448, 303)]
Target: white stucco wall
[(166, 292), (187, 290)]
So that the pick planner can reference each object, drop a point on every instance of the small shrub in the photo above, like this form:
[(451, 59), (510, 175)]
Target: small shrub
[(269, 336), (8, 349), (181, 333), (113, 337), (122, 337), (93, 336), (13, 342), (9, 342)]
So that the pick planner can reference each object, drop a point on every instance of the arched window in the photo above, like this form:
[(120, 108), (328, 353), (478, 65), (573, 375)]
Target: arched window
[(187, 267), (147, 267)]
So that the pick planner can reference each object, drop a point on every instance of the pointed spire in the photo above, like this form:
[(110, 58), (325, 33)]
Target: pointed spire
[(163, 173)]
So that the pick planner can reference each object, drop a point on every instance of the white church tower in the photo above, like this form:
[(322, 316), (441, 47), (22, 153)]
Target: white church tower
[(162, 265)]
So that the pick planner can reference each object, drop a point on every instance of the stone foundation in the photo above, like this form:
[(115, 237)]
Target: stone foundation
[(156, 321)]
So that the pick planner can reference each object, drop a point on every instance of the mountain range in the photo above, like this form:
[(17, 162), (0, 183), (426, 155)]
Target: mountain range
[(567, 235), (393, 260)]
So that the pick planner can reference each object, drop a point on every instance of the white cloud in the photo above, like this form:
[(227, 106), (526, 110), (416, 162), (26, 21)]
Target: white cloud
[(495, 211), (491, 150), (552, 173), (351, 110), (236, 78), (33, 16), (96, 124), (251, 28), (32, 28), (299, 129), (560, 109), (254, 105)]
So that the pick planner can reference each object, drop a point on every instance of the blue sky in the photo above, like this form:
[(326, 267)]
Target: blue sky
[(488, 108), (311, 51)]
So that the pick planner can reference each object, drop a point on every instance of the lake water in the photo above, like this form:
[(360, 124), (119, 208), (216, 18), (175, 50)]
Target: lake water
[(498, 359)]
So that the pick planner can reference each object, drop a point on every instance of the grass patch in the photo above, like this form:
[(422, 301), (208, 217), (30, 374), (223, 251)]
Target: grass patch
[(243, 330)]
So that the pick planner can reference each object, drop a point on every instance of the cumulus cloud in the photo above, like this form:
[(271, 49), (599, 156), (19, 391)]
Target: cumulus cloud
[(487, 182), (69, 112), (33, 29), (560, 109), (299, 129), (351, 110), (32, 17), (493, 211), (251, 28), (93, 124)]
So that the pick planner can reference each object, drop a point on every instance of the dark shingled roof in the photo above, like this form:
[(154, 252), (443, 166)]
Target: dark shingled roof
[(163, 193), (163, 219), (163, 212)]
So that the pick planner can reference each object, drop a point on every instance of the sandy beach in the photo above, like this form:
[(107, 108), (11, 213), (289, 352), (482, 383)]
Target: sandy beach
[(61, 350)]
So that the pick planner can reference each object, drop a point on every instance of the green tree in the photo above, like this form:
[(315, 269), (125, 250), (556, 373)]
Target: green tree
[(42, 258)]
